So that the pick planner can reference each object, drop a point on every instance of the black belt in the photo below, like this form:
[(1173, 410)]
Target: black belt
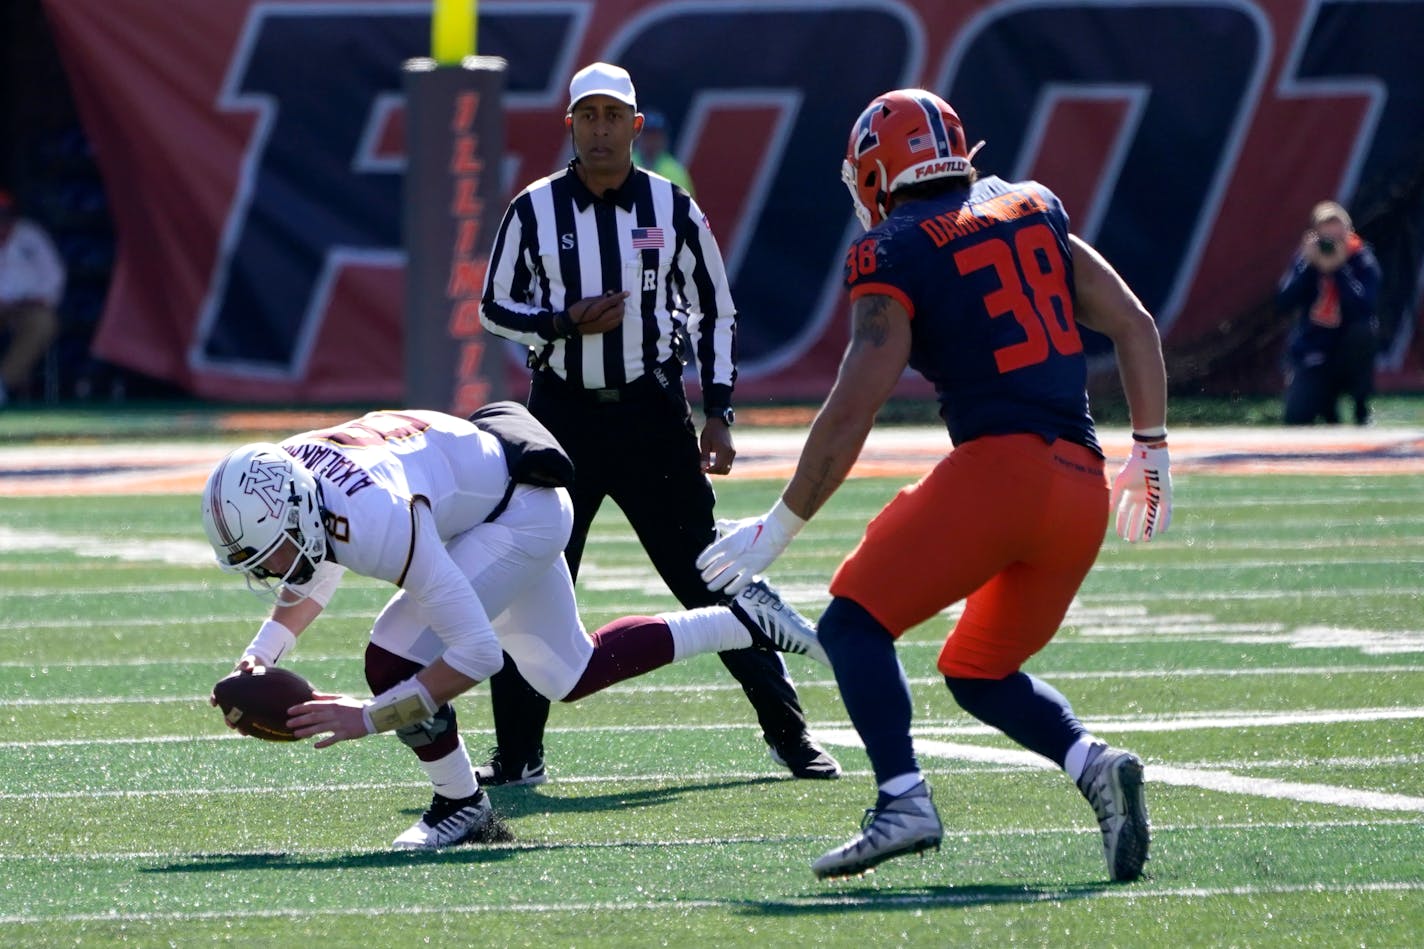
[(661, 378)]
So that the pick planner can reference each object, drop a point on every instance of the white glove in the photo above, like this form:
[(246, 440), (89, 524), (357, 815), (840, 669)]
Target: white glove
[(1142, 492), (747, 547)]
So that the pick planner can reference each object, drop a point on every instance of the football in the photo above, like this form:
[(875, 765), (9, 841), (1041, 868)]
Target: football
[(256, 702)]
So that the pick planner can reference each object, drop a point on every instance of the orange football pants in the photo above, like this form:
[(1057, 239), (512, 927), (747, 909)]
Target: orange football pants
[(1009, 522)]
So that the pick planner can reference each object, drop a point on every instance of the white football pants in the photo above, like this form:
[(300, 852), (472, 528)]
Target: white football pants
[(516, 566)]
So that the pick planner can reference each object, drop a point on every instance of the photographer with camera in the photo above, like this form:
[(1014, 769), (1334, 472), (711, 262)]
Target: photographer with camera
[(1330, 292)]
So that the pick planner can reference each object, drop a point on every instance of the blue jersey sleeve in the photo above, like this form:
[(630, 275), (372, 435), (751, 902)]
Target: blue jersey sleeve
[(875, 264)]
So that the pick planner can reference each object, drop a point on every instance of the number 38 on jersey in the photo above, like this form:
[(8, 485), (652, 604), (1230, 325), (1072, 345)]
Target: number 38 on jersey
[(1033, 289)]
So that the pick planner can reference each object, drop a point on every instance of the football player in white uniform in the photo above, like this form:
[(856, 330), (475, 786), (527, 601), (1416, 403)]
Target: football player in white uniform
[(430, 503)]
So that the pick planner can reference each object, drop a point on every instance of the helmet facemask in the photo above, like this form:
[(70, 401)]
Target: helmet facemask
[(874, 213), (307, 554)]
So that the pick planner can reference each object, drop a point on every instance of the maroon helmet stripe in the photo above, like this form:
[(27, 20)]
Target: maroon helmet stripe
[(216, 506)]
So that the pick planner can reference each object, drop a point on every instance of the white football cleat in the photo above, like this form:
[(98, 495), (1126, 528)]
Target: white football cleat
[(448, 822), (774, 623)]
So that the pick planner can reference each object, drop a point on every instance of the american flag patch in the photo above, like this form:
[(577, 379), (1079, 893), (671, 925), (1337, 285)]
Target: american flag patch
[(920, 143), (645, 237)]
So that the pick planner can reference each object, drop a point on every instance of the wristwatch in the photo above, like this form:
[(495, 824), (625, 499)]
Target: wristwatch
[(726, 415)]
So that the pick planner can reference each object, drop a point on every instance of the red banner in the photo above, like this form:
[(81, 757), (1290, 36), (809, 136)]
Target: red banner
[(253, 155)]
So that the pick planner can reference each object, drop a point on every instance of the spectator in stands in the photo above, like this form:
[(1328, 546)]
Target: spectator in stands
[(650, 151), (31, 284), (1330, 292)]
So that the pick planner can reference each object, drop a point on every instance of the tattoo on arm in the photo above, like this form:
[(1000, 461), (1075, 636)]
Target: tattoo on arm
[(822, 485), (870, 322), (878, 335)]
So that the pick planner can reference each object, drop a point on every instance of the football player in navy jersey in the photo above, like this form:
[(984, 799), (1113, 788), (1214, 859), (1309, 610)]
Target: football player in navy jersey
[(978, 285)]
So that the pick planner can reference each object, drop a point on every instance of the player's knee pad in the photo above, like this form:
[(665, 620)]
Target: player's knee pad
[(428, 732)]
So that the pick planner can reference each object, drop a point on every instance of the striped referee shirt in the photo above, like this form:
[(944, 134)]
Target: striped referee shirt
[(559, 243)]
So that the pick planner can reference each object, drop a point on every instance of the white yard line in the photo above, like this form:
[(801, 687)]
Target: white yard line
[(219, 663), (968, 895), (192, 553), (154, 466), (9, 856), (691, 777), (1176, 722), (105, 546), (927, 745), (1207, 779)]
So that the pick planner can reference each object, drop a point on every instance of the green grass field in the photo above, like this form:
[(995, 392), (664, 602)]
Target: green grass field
[(1264, 658)]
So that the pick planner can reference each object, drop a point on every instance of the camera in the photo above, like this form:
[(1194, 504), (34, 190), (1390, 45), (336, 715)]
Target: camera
[(1326, 245)]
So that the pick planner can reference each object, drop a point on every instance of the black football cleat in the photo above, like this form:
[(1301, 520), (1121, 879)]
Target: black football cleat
[(502, 770), (805, 759)]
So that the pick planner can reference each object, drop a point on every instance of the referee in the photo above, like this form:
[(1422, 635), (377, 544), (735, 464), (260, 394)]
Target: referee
[(609, 274)]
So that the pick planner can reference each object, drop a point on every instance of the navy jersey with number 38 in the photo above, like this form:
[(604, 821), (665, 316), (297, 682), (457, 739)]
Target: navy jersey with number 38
[(986, 275)]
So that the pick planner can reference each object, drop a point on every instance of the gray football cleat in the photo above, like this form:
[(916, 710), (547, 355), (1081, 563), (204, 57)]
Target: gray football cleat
[(1114, 785), (774, 623), (905, 824)]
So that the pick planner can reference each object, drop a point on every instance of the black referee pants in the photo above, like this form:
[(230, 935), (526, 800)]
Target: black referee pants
[(640, 449)]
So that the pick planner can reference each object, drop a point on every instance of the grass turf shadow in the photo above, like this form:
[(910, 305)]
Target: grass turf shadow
[(523, 801), (376, 859), (865, 896)]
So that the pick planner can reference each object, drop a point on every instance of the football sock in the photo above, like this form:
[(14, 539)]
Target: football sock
[(872, 684), (899, 785), (623, 649), (1081, 754), (1028, 710), (707, 629), (453, 775)]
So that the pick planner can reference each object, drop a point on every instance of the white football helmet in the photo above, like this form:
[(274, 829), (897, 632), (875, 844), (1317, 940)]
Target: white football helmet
[(257, 498)]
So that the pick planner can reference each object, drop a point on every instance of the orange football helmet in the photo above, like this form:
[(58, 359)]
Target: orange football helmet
[(903, 137)]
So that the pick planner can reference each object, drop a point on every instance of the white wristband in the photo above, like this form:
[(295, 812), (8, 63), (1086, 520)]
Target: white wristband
[(272, 642), (786, 519), (404, 704)]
